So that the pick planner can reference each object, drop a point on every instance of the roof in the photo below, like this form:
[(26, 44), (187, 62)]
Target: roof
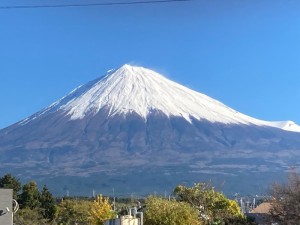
[(264, 207)]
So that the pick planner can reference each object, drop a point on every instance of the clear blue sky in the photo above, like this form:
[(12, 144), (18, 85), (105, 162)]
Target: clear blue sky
[(243, 53)]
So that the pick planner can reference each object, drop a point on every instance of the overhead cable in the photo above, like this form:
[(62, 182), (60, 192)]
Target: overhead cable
[(90, 4)]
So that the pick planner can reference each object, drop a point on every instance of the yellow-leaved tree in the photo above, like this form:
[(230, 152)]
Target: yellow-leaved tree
[(101, 211), (213, 206)]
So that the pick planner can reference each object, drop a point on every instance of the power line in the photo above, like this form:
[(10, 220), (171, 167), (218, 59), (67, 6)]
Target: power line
[(90, 4)]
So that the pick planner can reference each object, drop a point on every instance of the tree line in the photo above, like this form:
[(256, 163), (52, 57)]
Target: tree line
[(200, 204), (37, 206)]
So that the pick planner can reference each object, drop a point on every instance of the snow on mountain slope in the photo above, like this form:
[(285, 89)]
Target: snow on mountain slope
[(140, 90), (285, 125)]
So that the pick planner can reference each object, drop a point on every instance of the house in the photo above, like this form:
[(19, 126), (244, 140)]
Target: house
[(261, 213)]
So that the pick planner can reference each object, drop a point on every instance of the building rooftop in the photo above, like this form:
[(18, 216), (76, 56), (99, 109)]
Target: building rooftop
[(264, 207)]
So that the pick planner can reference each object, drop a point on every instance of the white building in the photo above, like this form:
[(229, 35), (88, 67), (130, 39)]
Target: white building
[(6, 210), (123, 220)]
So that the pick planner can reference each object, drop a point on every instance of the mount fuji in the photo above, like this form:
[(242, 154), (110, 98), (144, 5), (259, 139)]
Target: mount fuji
[(136, 131)]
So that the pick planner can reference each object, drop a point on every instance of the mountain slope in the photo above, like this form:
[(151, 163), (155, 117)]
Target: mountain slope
[(134, 119)]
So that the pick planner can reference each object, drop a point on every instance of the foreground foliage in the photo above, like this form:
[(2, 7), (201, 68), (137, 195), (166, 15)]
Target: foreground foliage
[(72, 211), (48, 204), (9, 181), (286, 201), (163, 212), (28, 216), (213, 207), (197, 205), (101, 211), (30, 197)]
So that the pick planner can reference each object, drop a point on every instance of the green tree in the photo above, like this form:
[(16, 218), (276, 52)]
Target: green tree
[(28, 216), (213, 207), (163, 212), (30, 197), (74, 212), (48, 205), (9, 181), (101, 210)]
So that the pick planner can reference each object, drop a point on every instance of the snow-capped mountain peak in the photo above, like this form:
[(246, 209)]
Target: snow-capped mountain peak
[(140, 90), (133, 89)]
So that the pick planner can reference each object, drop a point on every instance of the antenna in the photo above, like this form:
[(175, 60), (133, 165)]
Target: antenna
[(114, 199)]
